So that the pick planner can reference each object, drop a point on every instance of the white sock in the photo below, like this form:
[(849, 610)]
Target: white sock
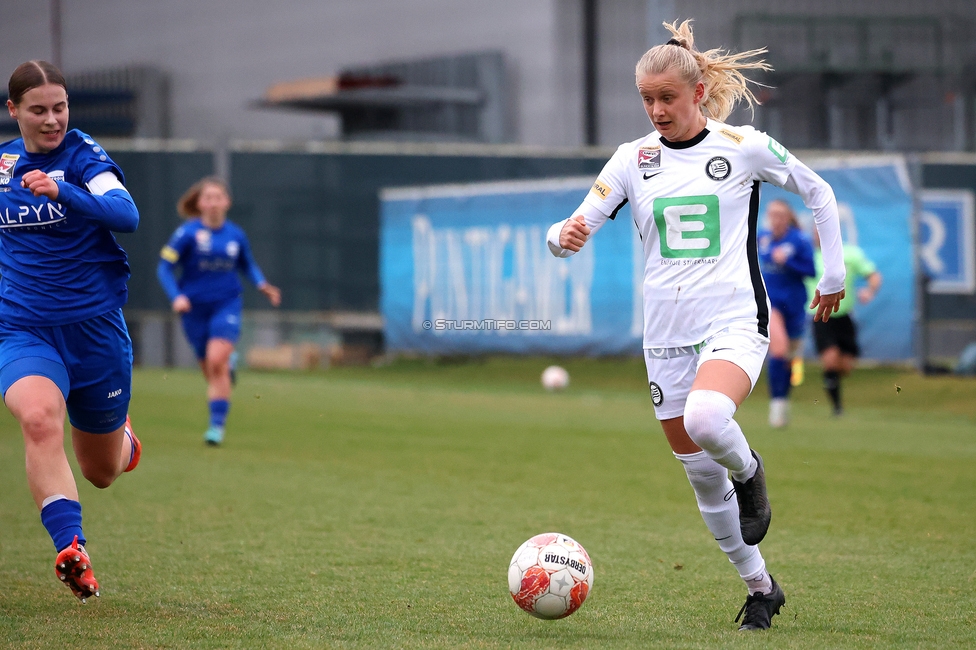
[(52, 499), (709, 423), (711, 483), (761, 582)]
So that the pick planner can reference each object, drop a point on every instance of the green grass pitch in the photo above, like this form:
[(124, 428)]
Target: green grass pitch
[(380, 507)]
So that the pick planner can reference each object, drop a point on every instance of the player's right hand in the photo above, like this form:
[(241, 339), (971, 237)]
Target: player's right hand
[(574, 234), (181, 304), (40, 184)]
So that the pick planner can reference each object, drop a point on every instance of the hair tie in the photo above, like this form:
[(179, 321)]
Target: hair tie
[(675, 41)]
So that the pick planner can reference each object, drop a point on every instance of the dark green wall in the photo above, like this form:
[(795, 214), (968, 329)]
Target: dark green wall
[(156, 181), (313, 219)]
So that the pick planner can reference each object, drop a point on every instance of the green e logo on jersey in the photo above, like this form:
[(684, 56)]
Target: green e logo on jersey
[(778, 150), (688, 225)]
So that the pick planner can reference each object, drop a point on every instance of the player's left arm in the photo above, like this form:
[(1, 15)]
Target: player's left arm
[(818, 197), (105, 200), (247, 265), (773, 163), (868, 293), (866, 269)]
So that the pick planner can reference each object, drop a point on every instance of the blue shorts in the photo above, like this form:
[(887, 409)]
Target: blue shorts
[(213, 320), (794, 314), (90, 361)]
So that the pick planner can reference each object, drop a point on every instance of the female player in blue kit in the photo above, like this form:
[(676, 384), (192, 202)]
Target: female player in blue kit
[(211, 251), (786, 259), (64, 347)]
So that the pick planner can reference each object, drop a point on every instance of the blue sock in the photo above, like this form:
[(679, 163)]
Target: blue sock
[(218, 412), (779, 378), (62, 518)]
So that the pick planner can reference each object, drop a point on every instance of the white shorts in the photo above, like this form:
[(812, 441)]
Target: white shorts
[(672, 371)]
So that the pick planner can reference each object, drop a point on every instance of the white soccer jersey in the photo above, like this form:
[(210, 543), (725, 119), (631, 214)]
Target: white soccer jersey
[(696, 206)]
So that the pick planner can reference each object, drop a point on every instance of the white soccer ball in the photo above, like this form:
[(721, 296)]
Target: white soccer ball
[(550, 576), (555, 378)]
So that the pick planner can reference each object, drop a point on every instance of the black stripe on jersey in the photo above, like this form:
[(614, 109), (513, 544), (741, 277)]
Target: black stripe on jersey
[(613, 215), (752, 252), (684, 144)]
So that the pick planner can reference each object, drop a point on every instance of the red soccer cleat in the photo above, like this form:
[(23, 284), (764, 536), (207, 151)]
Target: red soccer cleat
[(136, 446), (73, 568)]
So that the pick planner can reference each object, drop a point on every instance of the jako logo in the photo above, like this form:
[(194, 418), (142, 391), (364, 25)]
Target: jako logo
[(115, 393)]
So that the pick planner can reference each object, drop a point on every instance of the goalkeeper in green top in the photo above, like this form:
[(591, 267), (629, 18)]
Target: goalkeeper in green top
[(836, 339)]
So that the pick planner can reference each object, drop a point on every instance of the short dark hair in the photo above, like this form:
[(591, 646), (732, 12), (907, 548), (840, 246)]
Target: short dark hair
[(31, 75)]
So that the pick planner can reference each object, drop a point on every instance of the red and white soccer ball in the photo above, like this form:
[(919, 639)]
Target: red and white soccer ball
[(550, 576), (555, 378)]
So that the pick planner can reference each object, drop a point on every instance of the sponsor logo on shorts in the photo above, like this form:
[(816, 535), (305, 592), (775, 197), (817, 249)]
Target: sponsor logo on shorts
[(718, 168), (657, 395), (115, 393)]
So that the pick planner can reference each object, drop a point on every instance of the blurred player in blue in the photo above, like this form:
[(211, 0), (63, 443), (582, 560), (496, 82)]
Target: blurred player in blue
[(64, 346), (786, 259), (211, 251)]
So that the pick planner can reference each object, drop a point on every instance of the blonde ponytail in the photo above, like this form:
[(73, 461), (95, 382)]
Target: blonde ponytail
[(720, 71)]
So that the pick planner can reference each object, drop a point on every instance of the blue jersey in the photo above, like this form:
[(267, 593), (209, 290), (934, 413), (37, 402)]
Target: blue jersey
[(58, 263), (784, 282), (211, 260)]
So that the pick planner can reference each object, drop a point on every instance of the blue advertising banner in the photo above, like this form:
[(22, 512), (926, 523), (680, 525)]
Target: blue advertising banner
[(947, 240), (465, 269)]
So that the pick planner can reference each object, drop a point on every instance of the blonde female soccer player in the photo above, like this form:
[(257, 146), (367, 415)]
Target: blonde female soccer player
[(693, 186)]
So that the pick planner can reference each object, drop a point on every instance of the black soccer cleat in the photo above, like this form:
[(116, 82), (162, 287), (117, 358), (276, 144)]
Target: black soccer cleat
[(760, 608), (754, 511)]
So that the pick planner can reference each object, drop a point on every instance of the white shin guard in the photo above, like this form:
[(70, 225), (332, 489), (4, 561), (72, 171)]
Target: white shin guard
[(709, 423), (720, 510)]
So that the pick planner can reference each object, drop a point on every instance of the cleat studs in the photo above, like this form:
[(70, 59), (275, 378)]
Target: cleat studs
[(77, 558), (83, 567), (61, 566), (97, 595), (83, 601), (63, 578)]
